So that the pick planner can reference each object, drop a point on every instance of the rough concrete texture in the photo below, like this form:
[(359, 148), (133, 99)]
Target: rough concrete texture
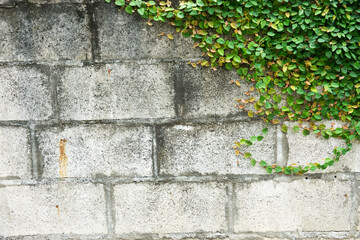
[(301, 205), (311, 148), (15, 158), (209, 93), (117, 91), (124, 36), (170, 207), (97, 150), (207, 149), (149, 139), (45, 33), (52, 209), (25, 93)]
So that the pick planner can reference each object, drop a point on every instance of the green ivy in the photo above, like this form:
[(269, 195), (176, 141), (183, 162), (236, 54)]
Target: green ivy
[(302, 56)]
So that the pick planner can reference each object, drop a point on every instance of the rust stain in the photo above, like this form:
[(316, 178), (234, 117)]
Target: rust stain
[(63, 160), (58, 210)]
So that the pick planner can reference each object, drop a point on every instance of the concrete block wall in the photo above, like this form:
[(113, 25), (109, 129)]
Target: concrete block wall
[(148, 139)]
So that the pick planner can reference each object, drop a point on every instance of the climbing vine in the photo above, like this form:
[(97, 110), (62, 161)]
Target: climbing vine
[(303, 57)]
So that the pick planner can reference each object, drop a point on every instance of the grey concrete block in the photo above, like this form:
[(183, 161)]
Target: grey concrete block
[(124, 36), (117, 91), (300, 205), (209, 93), (15, 157), (62, 208), (185, 48), (311, 148), (98, 150), (45, 33), (60, 31), (170, 208), (16, 43), (208, 149), (25, 93)]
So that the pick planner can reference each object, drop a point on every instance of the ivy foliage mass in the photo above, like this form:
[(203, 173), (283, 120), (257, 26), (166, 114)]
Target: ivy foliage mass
[(302, 56)]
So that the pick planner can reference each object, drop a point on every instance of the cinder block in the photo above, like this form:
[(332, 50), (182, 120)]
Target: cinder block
[(117, 91), (124, 36), (209, 93), (15, 41), (93, 150), (170, 208), (208, 148), (62, 208), (25, 93), (311, 148), (15, 158), (45, 32), (300, 205), (185, 47), (60, 32)]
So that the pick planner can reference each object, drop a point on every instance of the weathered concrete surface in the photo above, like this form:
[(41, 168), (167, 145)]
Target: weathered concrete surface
[(207, 149), (301, 205), (117, 91), (25, 93), (15, 157), (209, 93), (52, 209), (310, 149), (149, 139), (45, 33), (124, 36), (170, 208), (98, 150)]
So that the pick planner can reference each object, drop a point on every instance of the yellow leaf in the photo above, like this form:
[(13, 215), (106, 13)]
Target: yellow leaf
[(250, 114), (170, 36), (285, 68), (287, 14), (238, 83), (205, 63), (275, 121)]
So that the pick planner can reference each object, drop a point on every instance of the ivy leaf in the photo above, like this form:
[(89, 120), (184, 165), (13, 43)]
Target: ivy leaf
[(247, 155), (265, 131), (263, 163), (296, 128), (278, 169), (284, 128), (129, 9), (306, 132), (253, 162)]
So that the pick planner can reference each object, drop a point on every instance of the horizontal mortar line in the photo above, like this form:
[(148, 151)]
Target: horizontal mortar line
[(57, 236), (137, 235), (82, 63), (291, 234), (136, 121), (116, 180)]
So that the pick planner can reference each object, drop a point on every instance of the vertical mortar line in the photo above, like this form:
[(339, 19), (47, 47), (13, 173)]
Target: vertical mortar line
[(94, 31), (33, 150), (354, 207), (110, 212), (230, 208), (179, 89), (155, 162), (282, 147)]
